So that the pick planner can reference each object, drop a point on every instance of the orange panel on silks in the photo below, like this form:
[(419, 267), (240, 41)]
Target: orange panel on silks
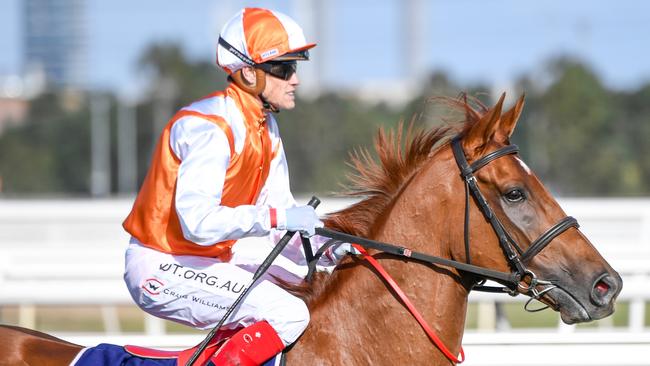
[(153, 219)]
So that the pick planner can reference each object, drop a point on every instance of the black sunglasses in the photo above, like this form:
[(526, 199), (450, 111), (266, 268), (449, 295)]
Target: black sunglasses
[(280, 69)]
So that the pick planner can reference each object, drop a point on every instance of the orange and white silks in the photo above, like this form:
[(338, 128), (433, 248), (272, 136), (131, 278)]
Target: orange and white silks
[(241, 142)]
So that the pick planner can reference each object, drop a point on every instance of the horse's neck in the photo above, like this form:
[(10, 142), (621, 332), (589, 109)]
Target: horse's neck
[(361, 322)]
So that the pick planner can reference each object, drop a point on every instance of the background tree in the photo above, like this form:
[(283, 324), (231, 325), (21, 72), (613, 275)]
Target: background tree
[(582, 138), (49, 153)]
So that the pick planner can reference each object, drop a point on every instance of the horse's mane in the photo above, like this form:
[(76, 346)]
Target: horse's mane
[(378, 181), (399, 155)]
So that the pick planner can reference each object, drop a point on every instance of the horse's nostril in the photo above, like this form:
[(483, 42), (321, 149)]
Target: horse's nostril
[(605, 289), (601, 288)]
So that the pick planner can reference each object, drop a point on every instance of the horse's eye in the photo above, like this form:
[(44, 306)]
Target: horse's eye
[(515, 195)]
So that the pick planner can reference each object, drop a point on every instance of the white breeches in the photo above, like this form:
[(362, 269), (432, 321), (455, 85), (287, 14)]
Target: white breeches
[(197, 291)]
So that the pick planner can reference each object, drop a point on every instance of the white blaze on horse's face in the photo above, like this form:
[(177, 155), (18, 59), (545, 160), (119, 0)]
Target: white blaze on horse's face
[(523, 165)]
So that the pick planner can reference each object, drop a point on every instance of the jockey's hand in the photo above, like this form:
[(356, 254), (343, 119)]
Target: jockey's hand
[(303, 219), (341, 250)]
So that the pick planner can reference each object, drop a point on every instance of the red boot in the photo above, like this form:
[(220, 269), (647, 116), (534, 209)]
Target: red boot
[(251, 346)]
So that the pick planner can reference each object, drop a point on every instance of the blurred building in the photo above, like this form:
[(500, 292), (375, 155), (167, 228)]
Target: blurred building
[(321, 23), (54, 41)]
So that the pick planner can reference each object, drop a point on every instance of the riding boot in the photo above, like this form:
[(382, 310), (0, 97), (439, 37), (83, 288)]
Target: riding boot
[(251, 346)]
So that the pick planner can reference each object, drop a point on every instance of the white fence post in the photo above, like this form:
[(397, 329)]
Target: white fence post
[(153, 326)]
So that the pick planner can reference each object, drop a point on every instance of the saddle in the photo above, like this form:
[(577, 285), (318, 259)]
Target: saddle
[(183, 356), (110, 354)]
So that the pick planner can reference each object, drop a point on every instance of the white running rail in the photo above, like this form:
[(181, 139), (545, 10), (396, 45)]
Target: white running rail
[(65, 252)]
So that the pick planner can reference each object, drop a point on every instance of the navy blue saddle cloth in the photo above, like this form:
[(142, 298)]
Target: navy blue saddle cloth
[(106, 354)]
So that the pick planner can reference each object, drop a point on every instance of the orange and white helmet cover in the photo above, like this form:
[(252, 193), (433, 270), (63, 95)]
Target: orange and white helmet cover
[(261, 35)]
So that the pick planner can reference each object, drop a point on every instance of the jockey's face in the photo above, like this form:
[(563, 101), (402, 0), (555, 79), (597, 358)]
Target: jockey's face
[(281, 93)]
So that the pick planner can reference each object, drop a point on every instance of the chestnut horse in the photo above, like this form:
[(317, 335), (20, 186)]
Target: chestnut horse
[(414, 196)]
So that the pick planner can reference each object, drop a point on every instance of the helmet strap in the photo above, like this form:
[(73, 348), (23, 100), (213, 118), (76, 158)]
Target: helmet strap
[(268, 106)]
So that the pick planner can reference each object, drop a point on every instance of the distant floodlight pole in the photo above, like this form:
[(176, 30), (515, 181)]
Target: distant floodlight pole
[(127, 151), (313, 16), (164, 95), (100, 170), (416, 37)]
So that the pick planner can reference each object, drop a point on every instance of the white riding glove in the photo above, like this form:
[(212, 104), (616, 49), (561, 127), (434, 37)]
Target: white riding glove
[(341, 250), (303, 219)]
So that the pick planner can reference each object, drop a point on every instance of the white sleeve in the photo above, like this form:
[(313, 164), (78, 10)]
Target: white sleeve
[(204, 151), (277, 184), (276, 191)]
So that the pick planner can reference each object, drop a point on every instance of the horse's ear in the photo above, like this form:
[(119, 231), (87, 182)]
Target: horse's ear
[(509, 121), (484, 129)]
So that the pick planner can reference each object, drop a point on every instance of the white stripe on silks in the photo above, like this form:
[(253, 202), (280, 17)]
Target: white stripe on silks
[(294, 33), (226, 108)]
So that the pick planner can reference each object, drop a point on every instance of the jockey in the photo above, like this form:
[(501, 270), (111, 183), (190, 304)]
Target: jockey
[(216, 200)]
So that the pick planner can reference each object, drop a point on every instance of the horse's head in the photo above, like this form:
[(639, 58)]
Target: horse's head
[(565, 269), (421, 193)]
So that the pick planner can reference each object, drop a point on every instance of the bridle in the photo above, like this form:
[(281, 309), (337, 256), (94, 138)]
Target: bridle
[(519, 280), (516, 256)]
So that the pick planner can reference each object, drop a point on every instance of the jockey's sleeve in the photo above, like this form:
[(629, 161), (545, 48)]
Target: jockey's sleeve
[(204, 152)]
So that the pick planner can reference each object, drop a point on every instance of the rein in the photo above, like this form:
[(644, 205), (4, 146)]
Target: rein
[(506, 279), (409, 305)]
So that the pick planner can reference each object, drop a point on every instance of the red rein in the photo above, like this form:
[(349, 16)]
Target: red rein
[(432, 335)]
